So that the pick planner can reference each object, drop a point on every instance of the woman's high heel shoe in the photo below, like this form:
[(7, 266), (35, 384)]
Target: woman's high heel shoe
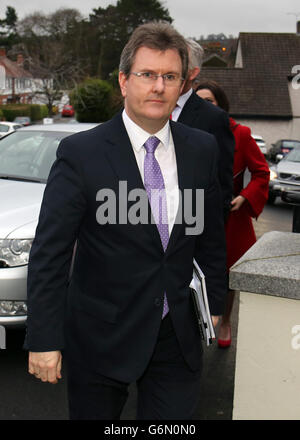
[(225, 343)]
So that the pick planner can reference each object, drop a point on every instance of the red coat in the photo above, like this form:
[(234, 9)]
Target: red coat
[(240, 235)]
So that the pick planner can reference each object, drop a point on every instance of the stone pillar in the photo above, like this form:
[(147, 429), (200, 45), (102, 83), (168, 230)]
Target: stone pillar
[(267, 375)]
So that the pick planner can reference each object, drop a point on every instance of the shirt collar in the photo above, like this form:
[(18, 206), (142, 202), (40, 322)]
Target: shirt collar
[(183, 98), (138, 136)]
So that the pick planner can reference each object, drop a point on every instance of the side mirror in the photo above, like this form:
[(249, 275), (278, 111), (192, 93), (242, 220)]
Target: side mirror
[(279, 157)]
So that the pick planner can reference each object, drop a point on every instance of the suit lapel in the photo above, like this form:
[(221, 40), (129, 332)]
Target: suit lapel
[(186, 177), (120, 154)]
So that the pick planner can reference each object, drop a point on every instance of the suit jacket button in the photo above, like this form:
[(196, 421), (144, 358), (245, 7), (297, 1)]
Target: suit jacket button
[(157, 302)]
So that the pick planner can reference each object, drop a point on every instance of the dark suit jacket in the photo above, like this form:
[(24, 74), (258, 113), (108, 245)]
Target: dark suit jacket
[(110, 311), (199, 113)]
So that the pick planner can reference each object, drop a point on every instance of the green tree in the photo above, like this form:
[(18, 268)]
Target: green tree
[(8, 26), (92, 100), (114, 26), (11, 18)]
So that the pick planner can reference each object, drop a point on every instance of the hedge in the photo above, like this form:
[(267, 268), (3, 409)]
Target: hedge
[(34, 111), (92, 100), (38, 112)]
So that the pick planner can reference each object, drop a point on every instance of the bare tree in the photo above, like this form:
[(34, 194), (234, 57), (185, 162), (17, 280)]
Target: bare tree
[(49, 54)]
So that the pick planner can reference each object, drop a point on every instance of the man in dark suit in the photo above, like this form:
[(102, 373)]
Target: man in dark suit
[(126, 313), (198, 113)]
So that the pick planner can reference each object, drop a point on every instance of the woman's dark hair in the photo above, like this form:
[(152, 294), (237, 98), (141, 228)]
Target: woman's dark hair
[(217, 91)]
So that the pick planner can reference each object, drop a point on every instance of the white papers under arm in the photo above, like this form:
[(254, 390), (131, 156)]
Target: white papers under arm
[(205, 298), (198, 283)]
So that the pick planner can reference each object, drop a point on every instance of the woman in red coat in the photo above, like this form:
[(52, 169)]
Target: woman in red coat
[(247, 202)]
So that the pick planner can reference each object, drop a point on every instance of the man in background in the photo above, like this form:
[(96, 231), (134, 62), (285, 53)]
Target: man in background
[(198, 113)]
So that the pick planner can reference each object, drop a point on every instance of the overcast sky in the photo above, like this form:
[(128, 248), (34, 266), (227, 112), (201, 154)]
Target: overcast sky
[(192, 17)]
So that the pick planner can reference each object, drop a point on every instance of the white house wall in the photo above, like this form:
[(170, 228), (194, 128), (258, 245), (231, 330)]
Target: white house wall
[(32, 86), (272, 130)]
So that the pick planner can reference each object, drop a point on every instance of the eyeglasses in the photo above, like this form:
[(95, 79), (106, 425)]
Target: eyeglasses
[(169, 79)]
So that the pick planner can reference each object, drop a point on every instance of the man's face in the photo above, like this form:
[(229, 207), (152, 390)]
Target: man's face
[(149, 105)]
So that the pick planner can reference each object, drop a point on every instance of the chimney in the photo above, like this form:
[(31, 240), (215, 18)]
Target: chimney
[(2, 52), (20, 60), (298, 28)]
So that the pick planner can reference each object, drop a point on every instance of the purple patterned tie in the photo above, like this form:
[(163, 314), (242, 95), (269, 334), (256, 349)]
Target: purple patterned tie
[(155, 187)]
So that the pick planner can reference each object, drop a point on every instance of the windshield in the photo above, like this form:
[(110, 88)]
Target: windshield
[(290, 144), (29, 155), (293, 156)]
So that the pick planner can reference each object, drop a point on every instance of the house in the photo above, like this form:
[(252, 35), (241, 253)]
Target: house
[(263, 86), (16, 83)]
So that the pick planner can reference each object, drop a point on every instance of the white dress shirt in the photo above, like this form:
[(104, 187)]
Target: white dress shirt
[(165, 156), (180, 104)]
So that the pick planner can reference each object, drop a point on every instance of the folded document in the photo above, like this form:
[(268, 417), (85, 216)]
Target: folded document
[(199, 295)]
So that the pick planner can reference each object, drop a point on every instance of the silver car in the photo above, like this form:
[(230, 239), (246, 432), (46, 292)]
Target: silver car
[(285, 176), (26, 157)]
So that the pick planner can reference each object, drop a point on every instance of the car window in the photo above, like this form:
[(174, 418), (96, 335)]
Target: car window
[(29, 154), (4, 128), (293, 156), (290, 144), (15, 127)]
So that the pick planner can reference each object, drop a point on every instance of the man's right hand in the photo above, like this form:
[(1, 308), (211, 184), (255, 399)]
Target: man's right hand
[(45, 366)]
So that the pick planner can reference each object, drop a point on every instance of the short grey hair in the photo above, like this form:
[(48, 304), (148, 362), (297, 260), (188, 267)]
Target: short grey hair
[(196, 53), (157, 35)]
